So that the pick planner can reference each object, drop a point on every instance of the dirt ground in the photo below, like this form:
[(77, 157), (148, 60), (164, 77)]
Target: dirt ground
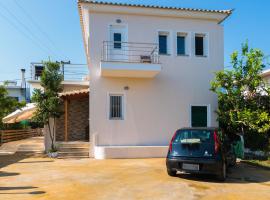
[(25, 177), (33, 144)]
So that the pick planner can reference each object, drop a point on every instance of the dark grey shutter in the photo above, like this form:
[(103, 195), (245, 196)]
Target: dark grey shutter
[(162, 44), (181, 45), (199, 45)]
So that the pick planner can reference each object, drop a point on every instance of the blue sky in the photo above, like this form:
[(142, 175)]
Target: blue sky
[(34, 30)]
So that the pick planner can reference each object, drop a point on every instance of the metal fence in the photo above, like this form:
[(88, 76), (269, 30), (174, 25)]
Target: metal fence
[(71, 72), (132, 52)]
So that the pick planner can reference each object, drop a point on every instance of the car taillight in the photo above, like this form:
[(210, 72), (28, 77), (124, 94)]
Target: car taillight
[(216, 142), (170, 146)]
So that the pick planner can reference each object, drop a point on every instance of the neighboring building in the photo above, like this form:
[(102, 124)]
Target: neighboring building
[(266, 75), (20, 92), (75, 77), (151, 69)]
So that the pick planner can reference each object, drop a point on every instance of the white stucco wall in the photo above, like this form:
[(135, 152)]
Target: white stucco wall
[(154, 108)]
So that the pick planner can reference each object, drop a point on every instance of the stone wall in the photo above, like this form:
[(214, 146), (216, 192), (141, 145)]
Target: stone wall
[(78, 121)]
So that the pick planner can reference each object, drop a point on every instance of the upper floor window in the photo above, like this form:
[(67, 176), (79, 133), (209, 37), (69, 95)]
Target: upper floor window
[(200, 48), (117, 39), (181, 43), (163, 42)]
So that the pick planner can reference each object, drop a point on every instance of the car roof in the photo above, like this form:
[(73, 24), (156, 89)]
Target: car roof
[(199, 128)]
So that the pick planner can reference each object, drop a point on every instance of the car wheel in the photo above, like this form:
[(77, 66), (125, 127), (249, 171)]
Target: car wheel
[(223, 172), (171, 172), (233, 162)]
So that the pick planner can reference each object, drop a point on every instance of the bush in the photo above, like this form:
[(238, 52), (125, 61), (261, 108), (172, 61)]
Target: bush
[(255, 141)]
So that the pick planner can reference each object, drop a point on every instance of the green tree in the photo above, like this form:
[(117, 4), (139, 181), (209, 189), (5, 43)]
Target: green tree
[(7, 104), (243, 96), (47, 99)]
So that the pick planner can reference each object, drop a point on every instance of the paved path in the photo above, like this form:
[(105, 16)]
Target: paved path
[(34, 144), (28, 178)]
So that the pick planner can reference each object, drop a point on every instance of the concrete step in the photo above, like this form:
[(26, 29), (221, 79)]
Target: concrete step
[(72, 157), (73, 149), (73, 145), (31, 148), (73, 154), (76, 149)]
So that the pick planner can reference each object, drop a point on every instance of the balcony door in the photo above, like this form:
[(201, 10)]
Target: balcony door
[(118, 47)]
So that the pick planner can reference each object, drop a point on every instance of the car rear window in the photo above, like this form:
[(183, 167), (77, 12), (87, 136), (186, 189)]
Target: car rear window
[(194, 136)]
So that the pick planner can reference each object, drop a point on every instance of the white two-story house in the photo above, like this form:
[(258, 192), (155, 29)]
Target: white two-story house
[(150, 72)]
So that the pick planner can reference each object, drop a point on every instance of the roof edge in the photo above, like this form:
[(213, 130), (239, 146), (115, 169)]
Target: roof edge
[(265, 72), (228, 12)]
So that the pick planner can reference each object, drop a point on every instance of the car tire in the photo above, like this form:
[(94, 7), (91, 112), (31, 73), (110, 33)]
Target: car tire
[(171, 172), (233, 162), (223, 173)]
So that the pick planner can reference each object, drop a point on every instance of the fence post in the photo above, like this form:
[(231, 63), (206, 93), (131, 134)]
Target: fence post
[(1, 137)]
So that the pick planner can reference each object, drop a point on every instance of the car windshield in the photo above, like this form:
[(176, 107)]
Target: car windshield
[(194, 136)]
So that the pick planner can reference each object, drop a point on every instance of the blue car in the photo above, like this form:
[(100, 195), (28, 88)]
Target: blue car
[(200, 151)]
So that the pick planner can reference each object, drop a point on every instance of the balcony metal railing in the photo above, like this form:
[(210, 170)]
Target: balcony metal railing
[(71, 72), (131, 52)]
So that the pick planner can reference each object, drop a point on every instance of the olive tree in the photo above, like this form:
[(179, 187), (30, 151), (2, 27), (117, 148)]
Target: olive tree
[(47, 99)]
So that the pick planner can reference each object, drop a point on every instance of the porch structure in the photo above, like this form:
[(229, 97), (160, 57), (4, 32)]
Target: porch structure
[(73, 125)]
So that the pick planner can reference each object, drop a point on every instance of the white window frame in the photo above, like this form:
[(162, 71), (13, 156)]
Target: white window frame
[(208, 113), (205, 44), (187, 43), (168, 33), (109, 94)]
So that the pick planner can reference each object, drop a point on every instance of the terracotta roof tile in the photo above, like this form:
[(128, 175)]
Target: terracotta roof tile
[(156, 6), (74, 92)]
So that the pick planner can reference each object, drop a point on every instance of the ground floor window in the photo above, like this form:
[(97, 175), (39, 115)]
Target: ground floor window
[(116, 107), (199, 116)]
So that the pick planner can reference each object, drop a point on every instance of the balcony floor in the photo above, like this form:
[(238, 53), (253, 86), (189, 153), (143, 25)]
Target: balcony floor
[(129, 70)]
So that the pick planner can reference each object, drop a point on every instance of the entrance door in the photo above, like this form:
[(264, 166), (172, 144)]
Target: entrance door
[(118, 46)]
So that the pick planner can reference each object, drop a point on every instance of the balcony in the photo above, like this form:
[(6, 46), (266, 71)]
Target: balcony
[(129, 59), (74, 74)]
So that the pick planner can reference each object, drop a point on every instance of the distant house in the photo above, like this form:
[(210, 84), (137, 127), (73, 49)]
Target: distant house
[(151, 68), (75, 77), (20, 92), (266, 75)]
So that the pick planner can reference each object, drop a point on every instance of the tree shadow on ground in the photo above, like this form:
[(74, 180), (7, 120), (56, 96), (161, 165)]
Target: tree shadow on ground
[(6, 160), (4, 174), (18, 158), (18, 190), (241, 173)]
